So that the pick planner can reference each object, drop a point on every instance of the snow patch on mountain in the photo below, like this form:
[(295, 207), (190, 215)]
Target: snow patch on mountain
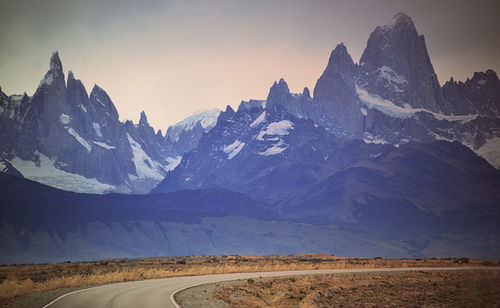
[(275, 149), (393, 79), (173, 162), (144, 165), (280, 128), (390, 75), (491, 151), (46, 173), (206, 118), (261, 118), (104, 145), (253, 103), (47, 80), (460, 118), (97, 129), (80, 140), (373, 101), (100, 102), (16, 100), (64, 119), (369, 138), (233, 149)]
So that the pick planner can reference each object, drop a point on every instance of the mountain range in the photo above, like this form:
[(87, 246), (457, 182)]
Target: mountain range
[(380, 160), (382, 129), (63, 137)]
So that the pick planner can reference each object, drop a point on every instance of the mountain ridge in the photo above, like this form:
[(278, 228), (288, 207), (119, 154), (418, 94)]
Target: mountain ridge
[(67, 138), (80, 227), (381, 160), (370, 150)]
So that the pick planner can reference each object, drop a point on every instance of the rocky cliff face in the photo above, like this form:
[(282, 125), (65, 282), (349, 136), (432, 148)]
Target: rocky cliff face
[(397, 67), (68, 139), (335, 93)]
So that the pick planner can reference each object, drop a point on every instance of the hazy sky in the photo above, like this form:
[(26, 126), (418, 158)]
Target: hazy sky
[(171, 58)]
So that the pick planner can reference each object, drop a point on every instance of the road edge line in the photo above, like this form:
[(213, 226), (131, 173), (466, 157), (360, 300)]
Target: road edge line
[(172, 299), (409, 269)]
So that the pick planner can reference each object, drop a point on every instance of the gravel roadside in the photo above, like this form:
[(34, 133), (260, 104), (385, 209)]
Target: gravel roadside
[(202, 296)]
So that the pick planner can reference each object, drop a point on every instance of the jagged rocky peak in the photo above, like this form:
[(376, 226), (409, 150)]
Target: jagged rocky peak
[(477, 95), (340, 60), (50, 100), (338, 78), (143, 130), (305, 93), (399, 22), (279, 92), (55, 62), (101, 99), (77, 94), (488, 77), (399, 67), (229, 110), (71, 76), (143, 121), (73, 82), (55, 75), (147, 130), (129, 124), (97, 91), (485, 78), (281, 85), (385, 41), (253, 103), (335, 93), (228, 113)]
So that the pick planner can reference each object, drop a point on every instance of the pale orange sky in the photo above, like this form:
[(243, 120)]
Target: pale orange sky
[(171, 58)]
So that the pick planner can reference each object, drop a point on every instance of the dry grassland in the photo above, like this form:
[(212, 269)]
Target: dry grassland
[(17, 280), (479, 288)]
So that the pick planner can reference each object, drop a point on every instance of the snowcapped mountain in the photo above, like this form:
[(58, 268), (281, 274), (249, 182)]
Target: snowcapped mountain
[(386, 121), (184, 135), (380, 148), (68, 139), (380, 160), (251, 147), (206, 119), (393, 96)]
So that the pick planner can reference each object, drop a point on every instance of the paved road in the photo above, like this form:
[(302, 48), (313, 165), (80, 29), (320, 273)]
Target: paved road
[(157, 293)]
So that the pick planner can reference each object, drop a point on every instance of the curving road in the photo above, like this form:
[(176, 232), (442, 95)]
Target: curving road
[(157, 293)]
